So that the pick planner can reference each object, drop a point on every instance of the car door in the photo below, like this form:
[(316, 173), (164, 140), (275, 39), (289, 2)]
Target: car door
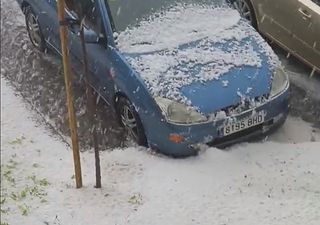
[(48, 18), (275, 20), (307, 31), (98, 53)]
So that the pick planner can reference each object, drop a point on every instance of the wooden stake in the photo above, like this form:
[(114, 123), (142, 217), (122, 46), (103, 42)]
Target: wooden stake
[(91, 107), (68, 83)]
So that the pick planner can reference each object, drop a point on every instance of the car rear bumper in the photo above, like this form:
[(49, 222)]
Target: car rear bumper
[(210, 133)]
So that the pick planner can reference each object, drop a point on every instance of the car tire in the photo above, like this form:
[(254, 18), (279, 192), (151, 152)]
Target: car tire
[(33, 29), (246, 10), (130, 120)]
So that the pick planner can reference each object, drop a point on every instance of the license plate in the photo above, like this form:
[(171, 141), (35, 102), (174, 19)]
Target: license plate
[(243, 124)]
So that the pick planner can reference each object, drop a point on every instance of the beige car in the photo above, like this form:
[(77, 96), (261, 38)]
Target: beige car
[(293, 24)]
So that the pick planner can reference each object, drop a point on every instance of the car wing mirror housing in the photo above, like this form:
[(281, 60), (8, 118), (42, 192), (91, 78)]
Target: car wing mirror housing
[(91, 37)]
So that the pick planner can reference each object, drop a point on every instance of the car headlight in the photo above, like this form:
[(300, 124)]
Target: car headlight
[(179, 113), (279, 83)]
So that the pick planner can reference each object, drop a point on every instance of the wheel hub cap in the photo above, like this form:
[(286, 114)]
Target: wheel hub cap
[(34, 30), (244, 9), (129, 121)]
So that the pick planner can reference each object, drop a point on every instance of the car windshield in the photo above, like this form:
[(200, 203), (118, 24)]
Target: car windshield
[(126, 13)]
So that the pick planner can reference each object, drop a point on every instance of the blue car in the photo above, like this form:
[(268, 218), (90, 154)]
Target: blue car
[(177, 73)]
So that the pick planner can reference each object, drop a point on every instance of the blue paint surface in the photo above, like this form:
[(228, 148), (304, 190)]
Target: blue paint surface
[(208, 97)]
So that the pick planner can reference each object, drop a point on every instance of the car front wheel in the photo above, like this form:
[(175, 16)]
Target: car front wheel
[(34, 30), (130, 120), (246, 11)]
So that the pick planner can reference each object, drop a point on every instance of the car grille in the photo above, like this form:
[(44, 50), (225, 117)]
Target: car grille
[(244, 106)]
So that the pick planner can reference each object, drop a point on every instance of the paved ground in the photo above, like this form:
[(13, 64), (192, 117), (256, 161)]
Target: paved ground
[(305, 98), (39, 79), (275, 182)]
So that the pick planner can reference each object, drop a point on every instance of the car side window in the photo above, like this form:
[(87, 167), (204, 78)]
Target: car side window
[(93, 21), (92, 18)]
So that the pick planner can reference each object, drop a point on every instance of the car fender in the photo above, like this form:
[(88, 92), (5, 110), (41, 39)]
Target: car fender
[(129, 84)]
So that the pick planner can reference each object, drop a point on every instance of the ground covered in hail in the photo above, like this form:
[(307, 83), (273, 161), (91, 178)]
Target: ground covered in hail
[(272, 182)]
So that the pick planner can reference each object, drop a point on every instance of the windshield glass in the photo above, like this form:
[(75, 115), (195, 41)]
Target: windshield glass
[(126, 13)]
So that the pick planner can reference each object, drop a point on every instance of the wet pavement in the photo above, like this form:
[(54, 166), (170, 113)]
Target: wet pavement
[(305, 90), (38, 78)]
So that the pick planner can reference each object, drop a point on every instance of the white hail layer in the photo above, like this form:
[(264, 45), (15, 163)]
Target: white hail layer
[(156, 40)]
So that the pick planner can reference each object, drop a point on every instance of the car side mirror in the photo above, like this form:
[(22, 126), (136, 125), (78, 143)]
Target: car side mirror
[(91, 37)]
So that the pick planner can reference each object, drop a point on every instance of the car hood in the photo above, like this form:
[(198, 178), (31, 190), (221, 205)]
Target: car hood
[(209, 65)]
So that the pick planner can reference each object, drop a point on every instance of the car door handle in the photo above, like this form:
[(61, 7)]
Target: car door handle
[(304, 13)]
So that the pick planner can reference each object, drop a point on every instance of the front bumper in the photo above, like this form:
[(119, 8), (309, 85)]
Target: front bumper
[(209, 133), (250, 134)]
